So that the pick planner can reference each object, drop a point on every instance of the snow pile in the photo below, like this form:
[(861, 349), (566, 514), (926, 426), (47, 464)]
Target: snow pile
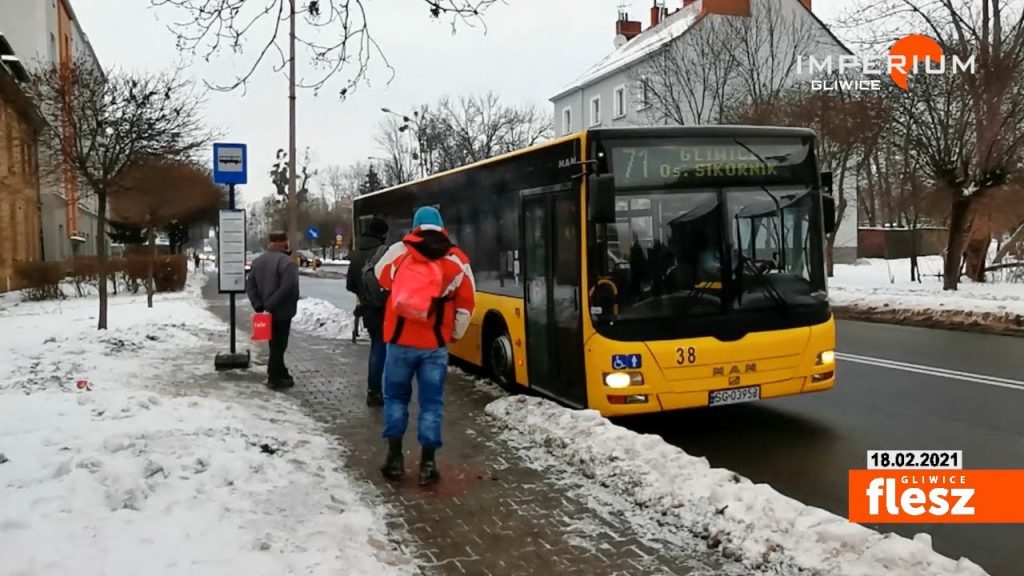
[(323, 319), (877, 281), (153, 463), (750, 523), (883, 288)]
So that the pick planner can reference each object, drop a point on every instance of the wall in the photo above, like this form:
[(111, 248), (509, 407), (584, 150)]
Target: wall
[(895, 243), (37, 38), (19, 187)]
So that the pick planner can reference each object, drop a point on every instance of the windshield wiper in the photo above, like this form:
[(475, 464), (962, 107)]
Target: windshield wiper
[(765, 284)]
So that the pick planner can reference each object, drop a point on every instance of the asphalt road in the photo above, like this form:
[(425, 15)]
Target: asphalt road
[(898, 388), (894, 391), (329, 289)]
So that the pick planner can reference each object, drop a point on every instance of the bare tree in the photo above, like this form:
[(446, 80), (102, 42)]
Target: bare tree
[(724, 65), (686, 81), (98, 125), (473, 128), (340, 182), (768, 48), (967, 129), (154, 192), (334, 35), (400, 160)]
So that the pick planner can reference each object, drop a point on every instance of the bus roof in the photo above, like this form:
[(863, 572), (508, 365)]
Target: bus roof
[(711, 131)]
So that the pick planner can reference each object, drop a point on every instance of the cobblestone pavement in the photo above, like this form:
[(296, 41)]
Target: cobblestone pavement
[(491, 514)]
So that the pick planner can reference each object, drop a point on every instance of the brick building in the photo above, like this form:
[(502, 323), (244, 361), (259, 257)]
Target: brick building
[(20, 203), (45, 33)]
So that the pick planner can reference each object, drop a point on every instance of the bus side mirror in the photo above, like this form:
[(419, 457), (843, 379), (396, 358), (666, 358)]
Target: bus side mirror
[(828, 206), (826, 183), (601, 199)]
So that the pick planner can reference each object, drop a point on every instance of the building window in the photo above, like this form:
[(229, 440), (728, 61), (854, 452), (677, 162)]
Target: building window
[(619, 102), (566, 120), (595, 111), (645, 94)]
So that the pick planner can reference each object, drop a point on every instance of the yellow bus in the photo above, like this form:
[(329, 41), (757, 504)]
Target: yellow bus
[(634, 270)]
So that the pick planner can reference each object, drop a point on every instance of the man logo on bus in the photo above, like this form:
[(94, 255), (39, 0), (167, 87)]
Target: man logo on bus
[(914, 53)]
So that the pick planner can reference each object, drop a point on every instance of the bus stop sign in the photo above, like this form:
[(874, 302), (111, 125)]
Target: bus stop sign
[(229, 163)]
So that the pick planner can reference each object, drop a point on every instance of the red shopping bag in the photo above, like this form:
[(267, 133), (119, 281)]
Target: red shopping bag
[(261, 327)]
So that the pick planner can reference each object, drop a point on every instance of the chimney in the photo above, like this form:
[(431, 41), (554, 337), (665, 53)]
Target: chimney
[(807, 4), (658, 12), (726, 7), (628, 28)]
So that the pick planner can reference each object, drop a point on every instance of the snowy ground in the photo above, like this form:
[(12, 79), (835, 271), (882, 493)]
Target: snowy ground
[(881, 289), (157, 465), (747, 522)]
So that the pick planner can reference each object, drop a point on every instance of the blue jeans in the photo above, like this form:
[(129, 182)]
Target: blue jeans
[(430, 366), (378, 352)]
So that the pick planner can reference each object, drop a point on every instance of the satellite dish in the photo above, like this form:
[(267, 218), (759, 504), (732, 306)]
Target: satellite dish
[(620, 40)]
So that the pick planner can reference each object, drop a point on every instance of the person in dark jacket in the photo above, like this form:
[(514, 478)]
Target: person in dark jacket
[(373, 317), (273, 286)]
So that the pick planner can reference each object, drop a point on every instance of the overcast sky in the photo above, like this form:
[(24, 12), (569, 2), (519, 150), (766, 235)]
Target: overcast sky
[(531, 49)]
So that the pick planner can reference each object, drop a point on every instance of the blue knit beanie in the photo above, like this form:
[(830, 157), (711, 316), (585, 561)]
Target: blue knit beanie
[(427, 215)]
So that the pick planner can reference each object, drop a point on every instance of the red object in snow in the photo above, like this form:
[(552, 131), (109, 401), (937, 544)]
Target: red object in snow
[(83, 385), (261, 327)]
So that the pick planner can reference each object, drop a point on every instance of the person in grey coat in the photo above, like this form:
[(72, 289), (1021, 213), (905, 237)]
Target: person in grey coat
[(273, 286)]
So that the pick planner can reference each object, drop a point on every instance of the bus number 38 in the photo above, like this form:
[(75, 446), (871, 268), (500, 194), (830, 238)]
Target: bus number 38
[(686, 355)]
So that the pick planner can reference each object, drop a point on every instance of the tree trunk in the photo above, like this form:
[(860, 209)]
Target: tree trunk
[(1017, 236), (959, 220), (976, 250), (101, 255), (915, 270), (150, 288)]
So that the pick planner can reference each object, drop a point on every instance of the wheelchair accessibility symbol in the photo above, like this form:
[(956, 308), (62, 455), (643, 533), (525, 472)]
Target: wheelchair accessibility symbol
[(626, 362)]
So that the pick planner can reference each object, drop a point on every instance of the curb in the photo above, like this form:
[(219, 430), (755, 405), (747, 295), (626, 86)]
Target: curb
[(1001, 324)]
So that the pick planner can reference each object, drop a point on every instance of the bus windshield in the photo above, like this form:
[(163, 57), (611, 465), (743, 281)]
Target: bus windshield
[(682, 250)]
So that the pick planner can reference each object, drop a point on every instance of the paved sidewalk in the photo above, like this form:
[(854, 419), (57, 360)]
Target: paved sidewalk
[(491, 514)]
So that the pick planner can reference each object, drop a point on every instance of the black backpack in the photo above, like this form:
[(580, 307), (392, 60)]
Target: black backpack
[(373, 295)]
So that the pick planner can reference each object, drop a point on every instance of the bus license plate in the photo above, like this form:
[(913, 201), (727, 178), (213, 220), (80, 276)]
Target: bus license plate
[(734, 396)]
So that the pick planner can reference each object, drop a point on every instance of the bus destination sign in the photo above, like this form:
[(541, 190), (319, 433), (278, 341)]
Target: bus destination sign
[(662, 165)]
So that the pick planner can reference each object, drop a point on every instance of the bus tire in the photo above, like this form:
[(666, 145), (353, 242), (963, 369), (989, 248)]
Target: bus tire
[(499, 358)]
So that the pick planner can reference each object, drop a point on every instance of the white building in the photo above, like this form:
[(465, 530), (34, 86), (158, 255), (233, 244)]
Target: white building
[(44, 33), (692, 62)]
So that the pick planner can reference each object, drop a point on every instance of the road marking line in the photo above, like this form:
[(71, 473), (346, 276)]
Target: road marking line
[(933, 371)]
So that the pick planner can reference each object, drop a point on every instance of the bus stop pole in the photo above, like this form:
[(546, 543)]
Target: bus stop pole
[(231, 205)]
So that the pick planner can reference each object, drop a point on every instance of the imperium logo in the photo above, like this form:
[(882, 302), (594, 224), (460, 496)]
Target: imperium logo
[(912, 54)]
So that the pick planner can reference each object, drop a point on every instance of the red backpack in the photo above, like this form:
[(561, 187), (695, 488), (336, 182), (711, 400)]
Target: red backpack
[(417, 286)]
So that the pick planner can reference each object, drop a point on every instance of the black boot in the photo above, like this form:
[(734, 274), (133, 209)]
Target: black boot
[(428, 468), (394, 465)]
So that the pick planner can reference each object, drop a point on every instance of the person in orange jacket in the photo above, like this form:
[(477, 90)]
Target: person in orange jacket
[(431, 298)]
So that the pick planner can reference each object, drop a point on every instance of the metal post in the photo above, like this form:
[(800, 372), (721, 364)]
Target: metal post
[(293, 200), (231, 205)]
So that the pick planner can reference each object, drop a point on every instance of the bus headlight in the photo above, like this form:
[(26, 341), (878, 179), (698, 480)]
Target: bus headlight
[(623, 379), (825, 358)]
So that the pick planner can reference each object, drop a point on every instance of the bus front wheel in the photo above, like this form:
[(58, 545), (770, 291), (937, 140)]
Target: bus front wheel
[(500, 362)]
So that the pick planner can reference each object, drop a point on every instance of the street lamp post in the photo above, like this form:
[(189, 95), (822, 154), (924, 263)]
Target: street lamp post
[(293, 200), (415, 123)]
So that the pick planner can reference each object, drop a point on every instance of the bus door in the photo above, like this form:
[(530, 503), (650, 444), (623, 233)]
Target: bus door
[(554, 335)]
